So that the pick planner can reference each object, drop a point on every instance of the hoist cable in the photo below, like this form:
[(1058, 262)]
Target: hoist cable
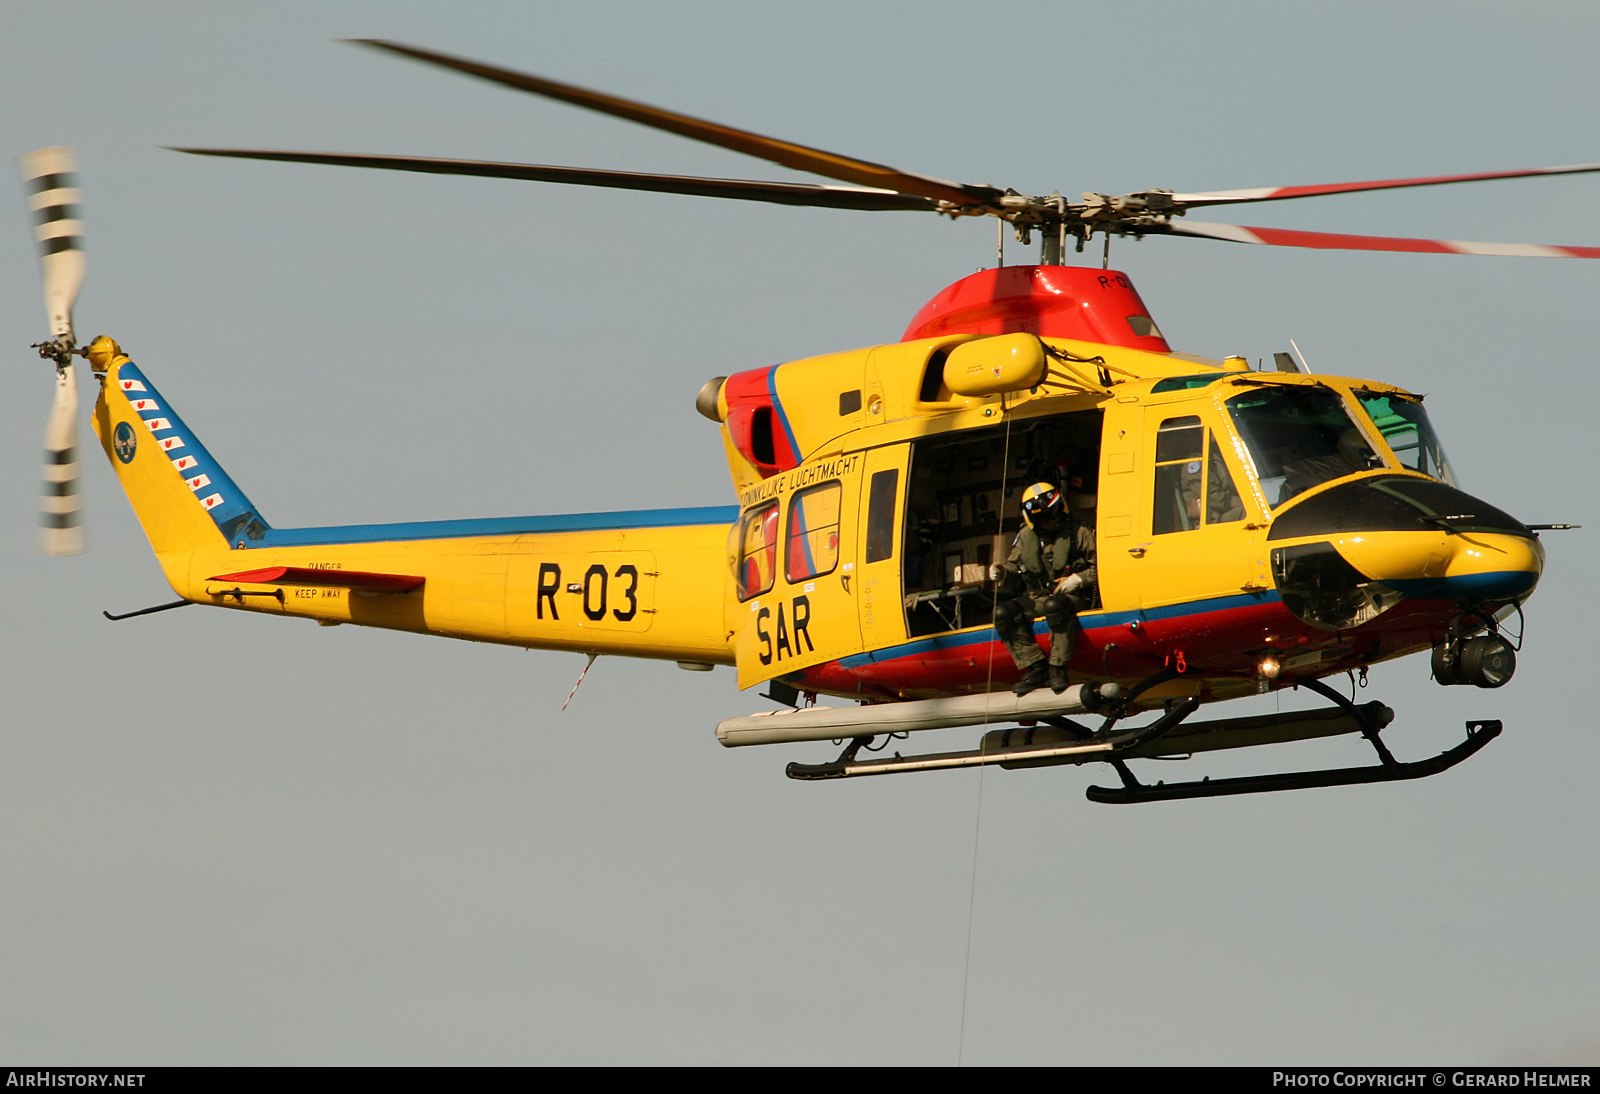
[(977, 824)]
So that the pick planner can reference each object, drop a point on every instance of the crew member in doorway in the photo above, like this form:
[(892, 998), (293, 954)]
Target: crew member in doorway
[(1050, 572)]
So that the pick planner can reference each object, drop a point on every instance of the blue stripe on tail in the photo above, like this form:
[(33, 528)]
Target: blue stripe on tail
[(235, 516), (238, 520)]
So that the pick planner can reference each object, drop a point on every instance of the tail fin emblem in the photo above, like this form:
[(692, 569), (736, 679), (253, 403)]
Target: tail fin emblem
[(124, 442)]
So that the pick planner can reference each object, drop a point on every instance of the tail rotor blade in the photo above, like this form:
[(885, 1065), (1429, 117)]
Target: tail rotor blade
[(49, 177), (60, 504)]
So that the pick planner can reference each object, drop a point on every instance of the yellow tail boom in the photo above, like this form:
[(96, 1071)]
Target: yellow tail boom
[(650, 583)]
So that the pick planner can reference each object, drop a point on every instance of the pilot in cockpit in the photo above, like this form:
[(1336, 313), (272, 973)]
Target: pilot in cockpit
[(1306, 467)]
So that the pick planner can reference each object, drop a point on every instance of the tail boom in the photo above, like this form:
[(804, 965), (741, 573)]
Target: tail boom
[(650, 583), (651, 590)]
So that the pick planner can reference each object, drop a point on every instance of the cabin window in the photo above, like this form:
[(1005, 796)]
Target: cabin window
[(1183, 478), (813, 542), (1405, 426), (758, 551), (962, 509), (849, 402), (880, 515), (1299, 436)]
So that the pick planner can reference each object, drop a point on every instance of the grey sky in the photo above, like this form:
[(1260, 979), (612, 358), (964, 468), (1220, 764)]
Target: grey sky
[(237, 840)]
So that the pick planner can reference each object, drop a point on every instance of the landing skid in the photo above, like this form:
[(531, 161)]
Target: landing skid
[(1067, 742), (1132, 790), (1388, 769)]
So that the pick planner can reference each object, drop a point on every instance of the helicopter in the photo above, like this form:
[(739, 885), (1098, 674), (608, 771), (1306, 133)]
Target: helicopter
[(1254, 529)]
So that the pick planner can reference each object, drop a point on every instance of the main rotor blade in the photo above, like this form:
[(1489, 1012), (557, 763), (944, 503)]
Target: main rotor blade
[(1281, 193), (782, 193), (798, 156), (1286, 237)]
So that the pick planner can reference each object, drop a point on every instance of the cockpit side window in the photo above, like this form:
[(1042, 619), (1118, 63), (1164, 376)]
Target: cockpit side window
[(1180, 444), (1299, 437), (1406, 429), (1189, 467), (1223, 505)]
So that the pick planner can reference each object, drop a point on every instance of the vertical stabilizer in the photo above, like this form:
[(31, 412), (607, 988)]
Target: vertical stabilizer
[(181, 495)]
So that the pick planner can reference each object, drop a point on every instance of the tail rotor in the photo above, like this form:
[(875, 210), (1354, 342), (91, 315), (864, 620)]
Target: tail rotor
[(49, 176)]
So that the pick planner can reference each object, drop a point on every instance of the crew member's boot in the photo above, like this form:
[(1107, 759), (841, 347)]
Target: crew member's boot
[(1035, 676)]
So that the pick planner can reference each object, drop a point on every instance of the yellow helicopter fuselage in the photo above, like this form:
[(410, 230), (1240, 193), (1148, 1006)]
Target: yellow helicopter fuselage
[(876, 488)]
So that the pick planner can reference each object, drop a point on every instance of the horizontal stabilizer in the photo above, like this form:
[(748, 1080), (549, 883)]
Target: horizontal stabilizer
[(336, 579)]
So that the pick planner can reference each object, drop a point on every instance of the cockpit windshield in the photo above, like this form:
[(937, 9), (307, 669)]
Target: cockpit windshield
[(1299, 437), (1405, 426)]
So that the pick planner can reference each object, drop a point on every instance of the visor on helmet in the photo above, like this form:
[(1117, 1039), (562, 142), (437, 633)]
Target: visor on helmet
[(1041, 502)]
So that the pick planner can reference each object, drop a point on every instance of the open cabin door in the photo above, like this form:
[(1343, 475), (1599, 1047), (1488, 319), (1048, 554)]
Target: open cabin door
[(963, 510), (796, 556)]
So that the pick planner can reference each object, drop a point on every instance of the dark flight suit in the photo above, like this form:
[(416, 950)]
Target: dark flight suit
[(1028, 579)]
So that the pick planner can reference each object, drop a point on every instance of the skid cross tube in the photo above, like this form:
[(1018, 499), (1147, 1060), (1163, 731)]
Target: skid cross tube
[(1370, 727)]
